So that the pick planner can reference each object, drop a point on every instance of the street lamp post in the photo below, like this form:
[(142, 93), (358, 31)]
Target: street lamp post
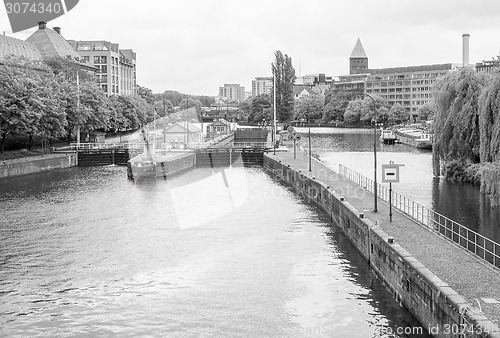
[(375, 188), (309, 136)]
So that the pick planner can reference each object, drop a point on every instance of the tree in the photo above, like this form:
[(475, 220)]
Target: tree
[(335, 106), (52, 123), (489, 121), (353, 111), (309, 108), (245, 109), (146, 94), (20, 104), (367, 109), (398, 114), (427, 111), (189, 102), (457, 115), (163, 106), (259, 103), (284, 75)]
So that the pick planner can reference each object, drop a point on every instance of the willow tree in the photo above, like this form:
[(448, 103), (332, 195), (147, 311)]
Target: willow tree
[(284, 75), (457, 115), (489, 120)]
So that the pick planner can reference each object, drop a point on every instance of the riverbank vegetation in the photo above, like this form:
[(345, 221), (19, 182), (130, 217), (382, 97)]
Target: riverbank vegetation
[(467, 127), (44, 102)]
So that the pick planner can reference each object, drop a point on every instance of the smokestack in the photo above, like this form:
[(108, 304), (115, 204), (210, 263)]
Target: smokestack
[(57, 29), (465, 50), (42, 25)]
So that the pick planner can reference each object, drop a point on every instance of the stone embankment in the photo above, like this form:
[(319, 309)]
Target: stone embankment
[(36, 164), (451, 292)]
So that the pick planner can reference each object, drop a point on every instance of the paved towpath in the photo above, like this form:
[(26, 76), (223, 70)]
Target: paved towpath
[(464, 272)]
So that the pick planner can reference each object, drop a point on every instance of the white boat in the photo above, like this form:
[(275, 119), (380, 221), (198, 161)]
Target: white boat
[(414, 137), (387, 136)]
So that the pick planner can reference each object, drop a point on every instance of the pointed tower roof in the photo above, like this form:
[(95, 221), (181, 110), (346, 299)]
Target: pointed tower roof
[(358, 52)]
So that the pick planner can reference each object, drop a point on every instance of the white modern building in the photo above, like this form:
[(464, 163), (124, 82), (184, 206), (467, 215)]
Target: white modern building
[(262, 85), (232, 93)]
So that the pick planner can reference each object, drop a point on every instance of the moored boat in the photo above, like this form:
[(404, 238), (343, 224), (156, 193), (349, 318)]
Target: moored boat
[(415, 137), (387, 136)]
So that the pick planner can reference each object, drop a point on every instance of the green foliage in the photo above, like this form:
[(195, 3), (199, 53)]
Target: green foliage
[(489, 121), (260, 108), (284, 75), (335, 106), (353, 111), (309, 108), (398, 114), (367, 109), (457, 118), (189, 102), (427, 111), (490, 181), (44, 100), (146, 94), (21, 106), (463, 172)]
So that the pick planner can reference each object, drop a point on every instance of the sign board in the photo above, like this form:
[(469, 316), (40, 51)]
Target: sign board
[(390, 173)]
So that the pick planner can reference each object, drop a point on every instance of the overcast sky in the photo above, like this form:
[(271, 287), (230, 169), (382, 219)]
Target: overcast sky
[(195, 46)]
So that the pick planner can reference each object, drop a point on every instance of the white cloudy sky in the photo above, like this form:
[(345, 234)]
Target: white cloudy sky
[(195, 46)]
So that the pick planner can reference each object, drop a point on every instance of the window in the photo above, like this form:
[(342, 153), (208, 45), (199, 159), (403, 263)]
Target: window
[(86, 58), (83, 47), (100, 59)]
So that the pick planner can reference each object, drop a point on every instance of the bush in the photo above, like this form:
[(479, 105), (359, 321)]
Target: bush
[(463, 172), (490, 181)]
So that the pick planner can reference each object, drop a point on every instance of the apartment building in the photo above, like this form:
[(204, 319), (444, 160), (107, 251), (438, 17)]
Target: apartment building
[(232, 93), (116, 69), (262, 85), (411, 87)]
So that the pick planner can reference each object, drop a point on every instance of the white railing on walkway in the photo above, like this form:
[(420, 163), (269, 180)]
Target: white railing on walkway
[(96, 146), (474, 242)]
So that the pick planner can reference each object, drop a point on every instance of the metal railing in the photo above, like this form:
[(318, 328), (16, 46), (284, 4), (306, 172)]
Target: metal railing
[(92, 146), (474, 242)]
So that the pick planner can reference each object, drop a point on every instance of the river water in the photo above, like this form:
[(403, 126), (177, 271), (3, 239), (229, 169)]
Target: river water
[(85, 252), (461, 202)]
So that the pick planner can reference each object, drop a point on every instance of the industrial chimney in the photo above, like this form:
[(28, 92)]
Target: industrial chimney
[(465, 49)]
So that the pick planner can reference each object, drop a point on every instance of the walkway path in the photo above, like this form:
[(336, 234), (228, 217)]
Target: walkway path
[(465, 273)]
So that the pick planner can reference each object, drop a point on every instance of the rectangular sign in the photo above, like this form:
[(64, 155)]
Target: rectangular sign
[(390, 173)]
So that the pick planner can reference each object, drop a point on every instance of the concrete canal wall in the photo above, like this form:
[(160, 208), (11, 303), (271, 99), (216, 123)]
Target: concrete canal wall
[(180, 164), (436, 305), (166, 165), (31, 165)]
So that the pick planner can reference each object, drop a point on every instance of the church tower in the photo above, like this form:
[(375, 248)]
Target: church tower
[(358, 62)]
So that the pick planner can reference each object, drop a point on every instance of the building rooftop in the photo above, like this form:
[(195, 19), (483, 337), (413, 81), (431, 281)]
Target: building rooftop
[(51, 43), (13, 46), (358, 52)]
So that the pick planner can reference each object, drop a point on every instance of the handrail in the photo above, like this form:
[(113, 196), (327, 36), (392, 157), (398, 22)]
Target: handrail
[(92, 146), (474, 242)]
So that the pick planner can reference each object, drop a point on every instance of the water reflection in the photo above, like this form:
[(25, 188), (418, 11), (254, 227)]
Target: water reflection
[(85, 251)]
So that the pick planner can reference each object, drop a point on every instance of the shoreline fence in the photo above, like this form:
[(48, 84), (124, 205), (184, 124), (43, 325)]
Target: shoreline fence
[(474, 242)]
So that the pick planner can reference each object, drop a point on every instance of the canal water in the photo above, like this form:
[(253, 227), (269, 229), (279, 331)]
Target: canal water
[(461, 202), (85, 252)]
